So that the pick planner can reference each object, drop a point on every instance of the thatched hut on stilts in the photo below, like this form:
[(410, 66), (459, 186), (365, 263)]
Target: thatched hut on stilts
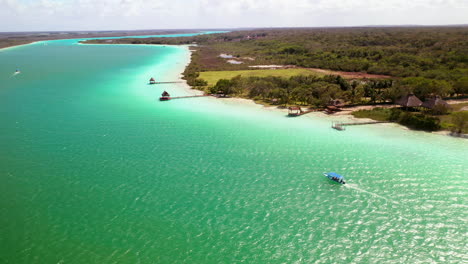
[(165, 96), (294, 111)]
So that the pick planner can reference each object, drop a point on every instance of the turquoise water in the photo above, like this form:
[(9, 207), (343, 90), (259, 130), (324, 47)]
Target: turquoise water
[(95, 170)]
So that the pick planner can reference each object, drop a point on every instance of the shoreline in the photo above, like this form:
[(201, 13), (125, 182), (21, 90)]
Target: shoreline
[(176, 73), (180, 72), (116, 36), (339, 116), (344, 115), (32, 37), (19, 45)]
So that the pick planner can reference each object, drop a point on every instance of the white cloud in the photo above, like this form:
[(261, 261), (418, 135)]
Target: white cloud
[(128, 14)]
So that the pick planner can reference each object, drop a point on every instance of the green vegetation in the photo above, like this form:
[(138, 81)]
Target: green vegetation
[(301, 89), (449, 120), (431, 52), (422, 87), (417, 121), (309, 90), (426, 61), (378, 113), (455, 121), (460, 122), (461, 86), (412, 120), (213, 76)]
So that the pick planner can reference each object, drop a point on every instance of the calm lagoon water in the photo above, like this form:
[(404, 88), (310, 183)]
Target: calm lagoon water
[(95, 170)]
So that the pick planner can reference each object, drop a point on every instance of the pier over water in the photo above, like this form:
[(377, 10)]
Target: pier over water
[(342, 125)]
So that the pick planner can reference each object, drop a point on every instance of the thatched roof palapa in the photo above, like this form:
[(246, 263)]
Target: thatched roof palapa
[(409, 100), (431, 103), (295, 108), (165, 94)]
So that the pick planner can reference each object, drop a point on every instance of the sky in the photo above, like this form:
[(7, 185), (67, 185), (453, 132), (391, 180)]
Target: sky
[(62, 15)]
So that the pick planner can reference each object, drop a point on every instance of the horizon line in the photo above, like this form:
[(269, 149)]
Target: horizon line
[(241, 28)]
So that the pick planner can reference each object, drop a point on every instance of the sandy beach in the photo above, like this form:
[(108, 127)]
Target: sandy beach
[(20, 45), (342, 116)]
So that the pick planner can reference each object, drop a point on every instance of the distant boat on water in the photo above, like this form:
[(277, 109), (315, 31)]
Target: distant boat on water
[(335, 177)]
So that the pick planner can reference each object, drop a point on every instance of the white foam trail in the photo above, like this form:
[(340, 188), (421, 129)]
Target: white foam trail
[(353, 186), (14, 74)]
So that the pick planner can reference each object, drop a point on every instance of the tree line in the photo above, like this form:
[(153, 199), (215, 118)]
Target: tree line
[(437, 56), (318, 91)]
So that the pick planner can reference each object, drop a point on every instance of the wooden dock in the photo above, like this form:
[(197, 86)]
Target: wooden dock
[(167, 98), (297, 111), (153, 81), (310, 111), (166, 82), (342, 125)]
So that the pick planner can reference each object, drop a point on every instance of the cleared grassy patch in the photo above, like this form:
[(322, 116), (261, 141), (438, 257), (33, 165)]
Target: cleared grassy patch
[(213, 76), (379, 114), (458, 107), (447, 120)]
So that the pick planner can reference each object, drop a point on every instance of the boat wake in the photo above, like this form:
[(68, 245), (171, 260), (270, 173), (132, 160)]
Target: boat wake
[(14, 74), (354, 187)]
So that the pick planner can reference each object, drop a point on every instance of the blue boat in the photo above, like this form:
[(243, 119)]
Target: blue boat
[(335, 177)]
